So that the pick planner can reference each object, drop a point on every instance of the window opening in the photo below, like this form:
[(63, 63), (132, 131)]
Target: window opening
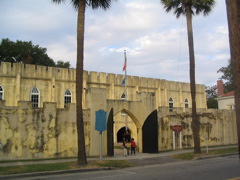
[(123, 96), (186, 103), (170, 105), (67, 98), (1, 93), (35, 97)]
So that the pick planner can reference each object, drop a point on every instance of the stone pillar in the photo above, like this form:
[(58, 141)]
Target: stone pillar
[(139, 139), (52, 90), (96, 98), (18, 89), (181, 101), (165, 98)]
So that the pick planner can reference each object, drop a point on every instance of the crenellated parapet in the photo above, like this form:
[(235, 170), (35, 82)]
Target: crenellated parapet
[(52, 82), (36, 71), (91, 77)]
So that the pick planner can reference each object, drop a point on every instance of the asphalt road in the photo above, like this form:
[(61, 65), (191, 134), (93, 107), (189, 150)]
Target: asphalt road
[(219, 168)]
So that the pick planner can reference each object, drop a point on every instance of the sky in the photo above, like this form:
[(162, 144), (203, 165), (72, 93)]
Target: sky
[(156, 42)]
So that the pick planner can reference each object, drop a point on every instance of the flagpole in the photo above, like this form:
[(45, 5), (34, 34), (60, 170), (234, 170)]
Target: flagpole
[(125, 59)]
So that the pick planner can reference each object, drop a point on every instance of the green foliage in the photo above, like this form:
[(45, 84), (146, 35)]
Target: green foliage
[(223, 151), (227, 77), (211, 93), (114, 163), (26, 52), (63, 64), (35, 168), (61, 166)]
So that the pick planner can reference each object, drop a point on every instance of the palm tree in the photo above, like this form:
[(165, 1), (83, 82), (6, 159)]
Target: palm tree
[(80, 6), (190, 8), (233, 12)]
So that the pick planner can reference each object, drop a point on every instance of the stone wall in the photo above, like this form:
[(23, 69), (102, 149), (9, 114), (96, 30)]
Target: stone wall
[(51, 132), (47, 132), (218, 127), (17, 80)]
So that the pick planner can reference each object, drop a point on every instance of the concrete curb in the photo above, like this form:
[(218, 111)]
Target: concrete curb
[(15, 176), (35, 174), (214, 156)]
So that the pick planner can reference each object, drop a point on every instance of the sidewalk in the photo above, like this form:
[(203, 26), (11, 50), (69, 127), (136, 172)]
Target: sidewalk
[(118, 156), (140, 159)]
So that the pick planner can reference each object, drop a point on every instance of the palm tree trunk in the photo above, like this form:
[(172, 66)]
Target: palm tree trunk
[(233, 12), (195, 120), (82, 160)]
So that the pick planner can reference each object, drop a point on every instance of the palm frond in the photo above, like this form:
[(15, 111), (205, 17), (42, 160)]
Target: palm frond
[(94, 4), (197, 6), (174, 5), (104, 4), (58, 1), (203, 6)]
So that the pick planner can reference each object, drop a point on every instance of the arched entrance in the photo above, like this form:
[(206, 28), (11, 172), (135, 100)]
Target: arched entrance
[(137, 113), (118, 129), (123, 133)]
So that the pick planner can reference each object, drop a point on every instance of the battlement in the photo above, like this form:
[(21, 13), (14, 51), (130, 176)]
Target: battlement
[(90, 77)]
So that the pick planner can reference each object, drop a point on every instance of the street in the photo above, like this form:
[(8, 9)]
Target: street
[(219, 168)]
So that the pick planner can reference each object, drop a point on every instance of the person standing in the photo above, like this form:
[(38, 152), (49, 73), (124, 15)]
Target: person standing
[(133, 147), (124, 147)]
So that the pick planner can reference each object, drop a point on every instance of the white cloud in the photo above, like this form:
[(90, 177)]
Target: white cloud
[(156, 42)]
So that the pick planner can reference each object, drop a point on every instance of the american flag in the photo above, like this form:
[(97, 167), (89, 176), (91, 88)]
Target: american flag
[(124, 81), (124, 65)]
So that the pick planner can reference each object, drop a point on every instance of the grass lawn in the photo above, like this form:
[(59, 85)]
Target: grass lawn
[(191, 155), (62, 166), (98, 164)]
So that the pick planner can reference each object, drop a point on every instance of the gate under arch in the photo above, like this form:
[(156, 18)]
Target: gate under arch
[(150, 134), (143, 114), (110, 144)]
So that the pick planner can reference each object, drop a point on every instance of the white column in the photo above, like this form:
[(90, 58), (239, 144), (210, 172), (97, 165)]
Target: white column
[(180, 139), (174, 146)]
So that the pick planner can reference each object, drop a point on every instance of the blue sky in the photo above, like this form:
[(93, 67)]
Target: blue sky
[(155, 41)]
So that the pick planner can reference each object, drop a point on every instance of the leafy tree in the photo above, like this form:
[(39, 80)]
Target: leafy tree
[(80, 6), (227, 77), (189, 8), (211, 93), (26, 52), (233, 13), (63, 64)]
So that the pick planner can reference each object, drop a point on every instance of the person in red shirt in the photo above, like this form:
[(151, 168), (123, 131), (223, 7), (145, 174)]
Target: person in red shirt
[(133, 147)]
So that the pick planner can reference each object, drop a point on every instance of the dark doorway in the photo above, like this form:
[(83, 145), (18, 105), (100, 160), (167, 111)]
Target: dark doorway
[(110, 145), (150, 134), (122, 133)]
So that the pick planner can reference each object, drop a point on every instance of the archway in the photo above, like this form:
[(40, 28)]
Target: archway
[(118, 129), (137, 113), (123, 133)]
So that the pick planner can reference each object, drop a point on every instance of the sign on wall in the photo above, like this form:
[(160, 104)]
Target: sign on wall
[(100, 124), (177, 128)]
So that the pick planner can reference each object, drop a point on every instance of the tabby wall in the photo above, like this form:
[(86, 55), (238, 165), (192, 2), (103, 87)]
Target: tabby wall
[(217, 127), (47, 132), (17, 80)]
